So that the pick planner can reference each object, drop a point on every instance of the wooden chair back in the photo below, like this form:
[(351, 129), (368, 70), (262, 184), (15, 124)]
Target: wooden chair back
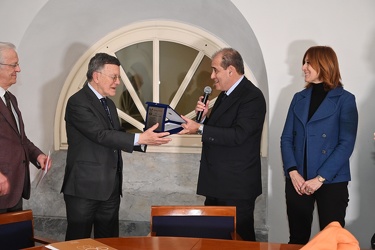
[(17, 230), (194, 221)]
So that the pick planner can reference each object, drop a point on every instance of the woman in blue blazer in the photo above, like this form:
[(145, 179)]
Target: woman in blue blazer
[(316, 144)]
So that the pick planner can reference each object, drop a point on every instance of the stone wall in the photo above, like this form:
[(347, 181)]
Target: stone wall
[(149, 179)]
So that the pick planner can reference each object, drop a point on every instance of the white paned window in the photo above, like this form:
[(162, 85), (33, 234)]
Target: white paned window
[(161, 61)]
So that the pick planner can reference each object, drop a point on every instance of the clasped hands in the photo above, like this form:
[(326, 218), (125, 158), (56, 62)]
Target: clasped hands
[(304, 187)]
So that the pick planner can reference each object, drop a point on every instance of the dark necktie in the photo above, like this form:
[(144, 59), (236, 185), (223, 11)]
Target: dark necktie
[(9, 106), (219, 102), (105, 105), (224, 97), (106, 108)]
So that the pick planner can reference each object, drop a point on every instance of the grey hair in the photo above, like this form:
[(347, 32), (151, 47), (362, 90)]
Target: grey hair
[(5, 46)]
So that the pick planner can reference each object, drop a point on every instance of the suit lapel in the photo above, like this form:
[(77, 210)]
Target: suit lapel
[(20, 120), (301, 109), (4, 110), (113, 111), (217, 102), (327, 107), (95, 102), (221, 108)]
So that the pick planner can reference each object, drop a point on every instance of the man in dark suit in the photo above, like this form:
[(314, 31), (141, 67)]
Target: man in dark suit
[(16, 150), (93, 175), (230, 168)]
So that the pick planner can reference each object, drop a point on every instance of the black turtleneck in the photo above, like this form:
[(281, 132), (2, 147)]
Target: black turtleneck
[(317, 96)]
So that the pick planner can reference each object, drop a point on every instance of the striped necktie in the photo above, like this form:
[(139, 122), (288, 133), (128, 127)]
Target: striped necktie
[(106, 108)]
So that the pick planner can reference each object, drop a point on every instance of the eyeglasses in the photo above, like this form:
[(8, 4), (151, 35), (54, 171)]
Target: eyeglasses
[(114, 78), (11, 65)]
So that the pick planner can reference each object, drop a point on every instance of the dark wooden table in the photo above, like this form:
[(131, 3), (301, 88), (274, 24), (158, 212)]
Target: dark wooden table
[(181, 243)]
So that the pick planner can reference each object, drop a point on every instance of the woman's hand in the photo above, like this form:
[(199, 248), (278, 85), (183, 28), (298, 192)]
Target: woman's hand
[(310, 186), (297, 181)]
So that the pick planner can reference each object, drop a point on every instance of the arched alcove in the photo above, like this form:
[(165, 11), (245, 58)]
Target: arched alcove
[(63, 35), (155, 33)]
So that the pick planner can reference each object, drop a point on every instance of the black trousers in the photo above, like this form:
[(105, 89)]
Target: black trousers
[(244, 214), (84, 214), (331, 200)]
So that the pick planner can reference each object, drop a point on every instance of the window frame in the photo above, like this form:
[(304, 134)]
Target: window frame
[(155, 31)]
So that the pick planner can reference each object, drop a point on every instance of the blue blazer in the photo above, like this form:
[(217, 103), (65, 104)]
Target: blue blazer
[(329, 136)]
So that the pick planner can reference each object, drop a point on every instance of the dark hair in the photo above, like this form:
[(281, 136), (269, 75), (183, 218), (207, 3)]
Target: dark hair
[(324, 61), (232, 57), (97, 63)]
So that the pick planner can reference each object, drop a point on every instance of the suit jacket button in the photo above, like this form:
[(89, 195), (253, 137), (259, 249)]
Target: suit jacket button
[(324, 152), (211, 139), (324, 135)]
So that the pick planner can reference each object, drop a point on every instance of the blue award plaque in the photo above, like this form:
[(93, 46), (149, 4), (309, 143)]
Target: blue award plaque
[(169, 120)]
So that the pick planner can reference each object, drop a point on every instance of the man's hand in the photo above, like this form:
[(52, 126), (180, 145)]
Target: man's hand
[(149, 137), (202, 107), (190, 127), (4, 185), (42, 159)]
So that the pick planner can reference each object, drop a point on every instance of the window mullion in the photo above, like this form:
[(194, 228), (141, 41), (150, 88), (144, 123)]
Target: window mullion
[(198, 59), (156, 70), (133, 94)]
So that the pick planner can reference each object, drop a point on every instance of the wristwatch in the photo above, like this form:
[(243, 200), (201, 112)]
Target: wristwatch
[(321, 179), (200, 129)]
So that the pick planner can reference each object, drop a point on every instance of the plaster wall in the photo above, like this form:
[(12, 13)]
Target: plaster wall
[(49, 46)]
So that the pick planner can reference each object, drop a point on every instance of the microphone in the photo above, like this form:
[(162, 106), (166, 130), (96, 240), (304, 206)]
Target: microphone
[(207, 91)]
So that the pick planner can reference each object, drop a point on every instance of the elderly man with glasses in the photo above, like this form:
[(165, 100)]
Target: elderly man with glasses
[(93, 175), (16, 150)]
